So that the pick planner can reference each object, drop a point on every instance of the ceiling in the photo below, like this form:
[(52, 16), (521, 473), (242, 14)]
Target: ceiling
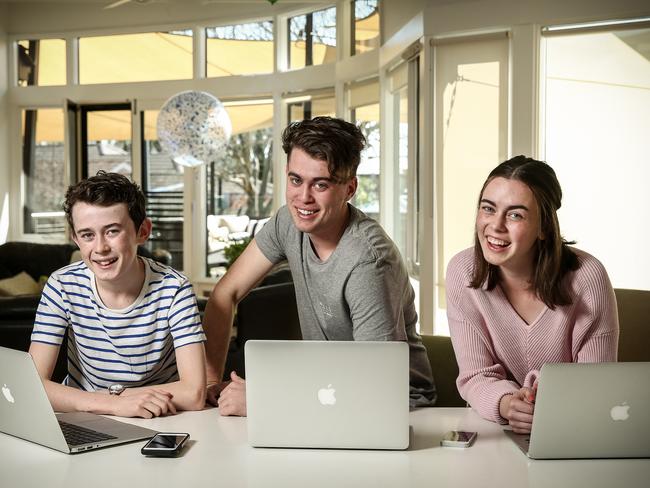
[(177, 2)]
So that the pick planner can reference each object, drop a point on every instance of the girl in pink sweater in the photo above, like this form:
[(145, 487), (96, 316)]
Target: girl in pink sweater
[(521, 297)]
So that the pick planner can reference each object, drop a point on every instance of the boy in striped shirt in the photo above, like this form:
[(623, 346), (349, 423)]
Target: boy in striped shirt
[(135, 340)]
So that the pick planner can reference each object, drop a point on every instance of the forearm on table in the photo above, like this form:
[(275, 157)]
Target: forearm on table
[(217, 324), (68, 399), (186, 395)]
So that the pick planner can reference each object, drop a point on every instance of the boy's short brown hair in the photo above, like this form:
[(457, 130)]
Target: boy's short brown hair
[(106, 189), (335, 141)]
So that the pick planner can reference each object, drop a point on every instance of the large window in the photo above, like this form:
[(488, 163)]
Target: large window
[(106, 139), (149, 56), (404, 180), (241, 49), (312, 38), (595, 135), (240, 183), (308, 106), (163, 184), (365, 26), (471, 90), (363, 100), (41, 62), (404, 175), (44, 171)]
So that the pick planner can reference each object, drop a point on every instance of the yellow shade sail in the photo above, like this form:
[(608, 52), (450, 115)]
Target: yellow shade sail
[(150, 56), (49, 125)]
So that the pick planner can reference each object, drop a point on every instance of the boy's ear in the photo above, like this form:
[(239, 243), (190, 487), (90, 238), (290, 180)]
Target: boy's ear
[(352, 187), (144, 231)]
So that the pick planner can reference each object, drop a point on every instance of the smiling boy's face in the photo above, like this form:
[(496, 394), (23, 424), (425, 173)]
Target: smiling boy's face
[(108, 240), (316, 202)]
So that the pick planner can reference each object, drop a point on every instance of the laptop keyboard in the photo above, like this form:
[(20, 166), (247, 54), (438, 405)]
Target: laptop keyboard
[(76, 435)]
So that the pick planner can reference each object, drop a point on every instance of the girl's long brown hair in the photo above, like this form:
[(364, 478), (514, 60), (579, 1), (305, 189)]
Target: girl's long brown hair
[(554, 258)]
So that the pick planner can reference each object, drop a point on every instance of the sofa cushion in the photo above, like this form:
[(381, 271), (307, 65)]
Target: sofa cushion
[(21, 284)]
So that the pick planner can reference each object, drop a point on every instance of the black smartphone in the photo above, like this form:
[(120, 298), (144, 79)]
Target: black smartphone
[(165, 444)]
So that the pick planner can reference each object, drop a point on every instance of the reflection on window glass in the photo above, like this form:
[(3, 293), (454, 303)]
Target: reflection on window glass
[(312, 107), (405, 187), (240, 183), (312, 38), (162, 182), (108, 142), (367, 196), (240, 49), (149, 56), (41, 62), (597, 115), (366, 26), (472, 94), (401, 181), (44, 168)]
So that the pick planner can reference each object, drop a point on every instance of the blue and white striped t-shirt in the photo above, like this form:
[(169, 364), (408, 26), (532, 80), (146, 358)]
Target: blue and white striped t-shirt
[(133, 346)]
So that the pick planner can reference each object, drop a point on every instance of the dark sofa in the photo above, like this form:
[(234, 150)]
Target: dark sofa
[(17, 313)]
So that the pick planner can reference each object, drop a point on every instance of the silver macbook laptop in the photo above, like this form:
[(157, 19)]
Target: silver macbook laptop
[(327, 394), (595, 410), (26, 412)]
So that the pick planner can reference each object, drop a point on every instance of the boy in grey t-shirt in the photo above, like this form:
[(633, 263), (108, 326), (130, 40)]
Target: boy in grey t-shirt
[(351, 282)]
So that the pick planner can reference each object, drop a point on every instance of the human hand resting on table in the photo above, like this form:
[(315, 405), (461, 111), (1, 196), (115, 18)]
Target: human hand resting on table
[(232, 400), (146, 403), (213, 390), (518, 409)]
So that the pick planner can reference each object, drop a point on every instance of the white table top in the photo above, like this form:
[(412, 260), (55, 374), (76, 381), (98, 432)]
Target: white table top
[(218, 455)]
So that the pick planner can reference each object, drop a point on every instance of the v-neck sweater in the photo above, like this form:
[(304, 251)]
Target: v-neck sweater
[(498, 352)]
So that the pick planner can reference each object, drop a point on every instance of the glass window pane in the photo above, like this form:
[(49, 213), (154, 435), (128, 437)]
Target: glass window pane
[(108, 142), (162, 183), (401, 180), (149, 56), (240, 184), (405, 185), (471, 91), (597, 115), (44, 169), (366, 26), (312, 38), (41, 62), (319, 106), (240, 49), (367, 196)]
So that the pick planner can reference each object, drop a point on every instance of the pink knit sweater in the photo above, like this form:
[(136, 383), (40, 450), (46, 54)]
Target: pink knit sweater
[(497, 352)]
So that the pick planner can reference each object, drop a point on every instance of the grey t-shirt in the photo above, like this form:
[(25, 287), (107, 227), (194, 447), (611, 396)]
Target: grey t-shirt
[(362, 292)]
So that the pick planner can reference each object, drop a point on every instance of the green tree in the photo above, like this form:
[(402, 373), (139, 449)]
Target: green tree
[(247, 163)]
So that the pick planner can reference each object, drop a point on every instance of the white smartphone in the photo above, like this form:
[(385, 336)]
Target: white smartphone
[(458, 438)]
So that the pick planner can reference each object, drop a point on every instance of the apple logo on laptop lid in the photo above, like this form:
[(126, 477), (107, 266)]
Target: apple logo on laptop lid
[(6, 391), (620, 412), (326, 396)]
